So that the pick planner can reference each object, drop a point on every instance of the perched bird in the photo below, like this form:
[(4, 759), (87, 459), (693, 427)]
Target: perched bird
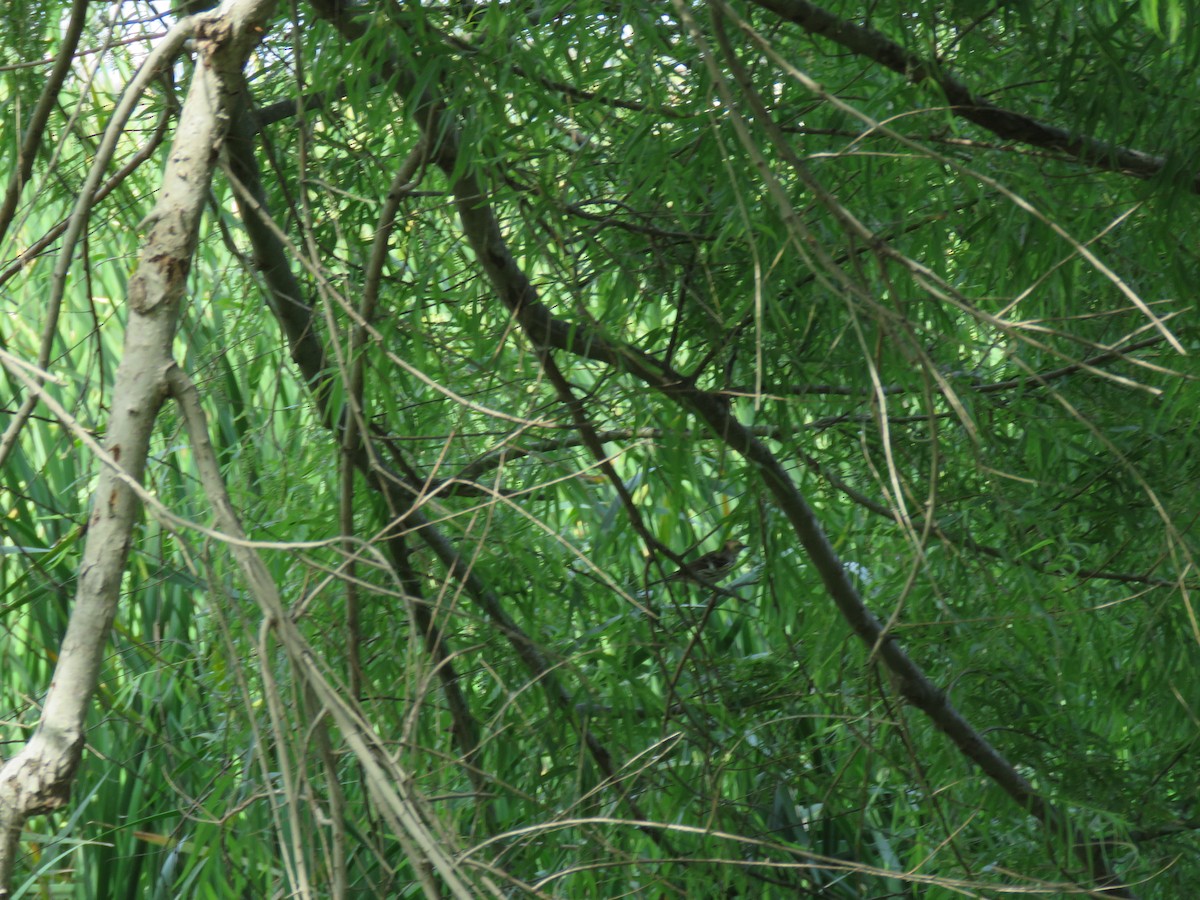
[(711, 567)]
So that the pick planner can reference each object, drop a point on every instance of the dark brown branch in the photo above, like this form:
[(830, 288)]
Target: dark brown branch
[(286, 299), (482, 230), (1023, 382), (871, 44), (1039, 380), (288, 303), (36, 130)]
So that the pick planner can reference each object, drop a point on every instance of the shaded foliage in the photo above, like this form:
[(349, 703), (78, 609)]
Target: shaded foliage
[(970, 351)]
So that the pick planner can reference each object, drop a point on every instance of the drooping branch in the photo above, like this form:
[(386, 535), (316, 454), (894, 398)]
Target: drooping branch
[(288, 302), (480, 225), (392, 788), (965, 103), (35, 131), (296, 316), (542, 328)]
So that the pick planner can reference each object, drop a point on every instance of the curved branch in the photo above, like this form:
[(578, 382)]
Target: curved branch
[(38, 779), (287, 302), (36, 129), (158, 58), (481, 228), (966, 104)]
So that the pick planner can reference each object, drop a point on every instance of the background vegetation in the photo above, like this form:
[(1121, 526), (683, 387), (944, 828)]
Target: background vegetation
[(498, 312)]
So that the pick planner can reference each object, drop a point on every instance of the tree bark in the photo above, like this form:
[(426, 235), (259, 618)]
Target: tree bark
[(38, 779)]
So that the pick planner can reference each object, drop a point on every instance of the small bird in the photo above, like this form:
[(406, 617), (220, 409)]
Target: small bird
[(711, 567)]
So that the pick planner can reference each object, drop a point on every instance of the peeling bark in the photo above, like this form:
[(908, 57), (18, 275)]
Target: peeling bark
[(38, 779)]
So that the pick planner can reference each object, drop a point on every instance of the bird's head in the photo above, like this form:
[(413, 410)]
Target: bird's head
[(734, 546)]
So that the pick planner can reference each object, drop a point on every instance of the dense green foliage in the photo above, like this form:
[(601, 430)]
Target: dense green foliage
[(971, 349)]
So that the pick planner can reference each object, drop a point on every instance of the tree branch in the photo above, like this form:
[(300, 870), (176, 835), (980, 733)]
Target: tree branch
[(38, 779), (482, 230), (874, 45)]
